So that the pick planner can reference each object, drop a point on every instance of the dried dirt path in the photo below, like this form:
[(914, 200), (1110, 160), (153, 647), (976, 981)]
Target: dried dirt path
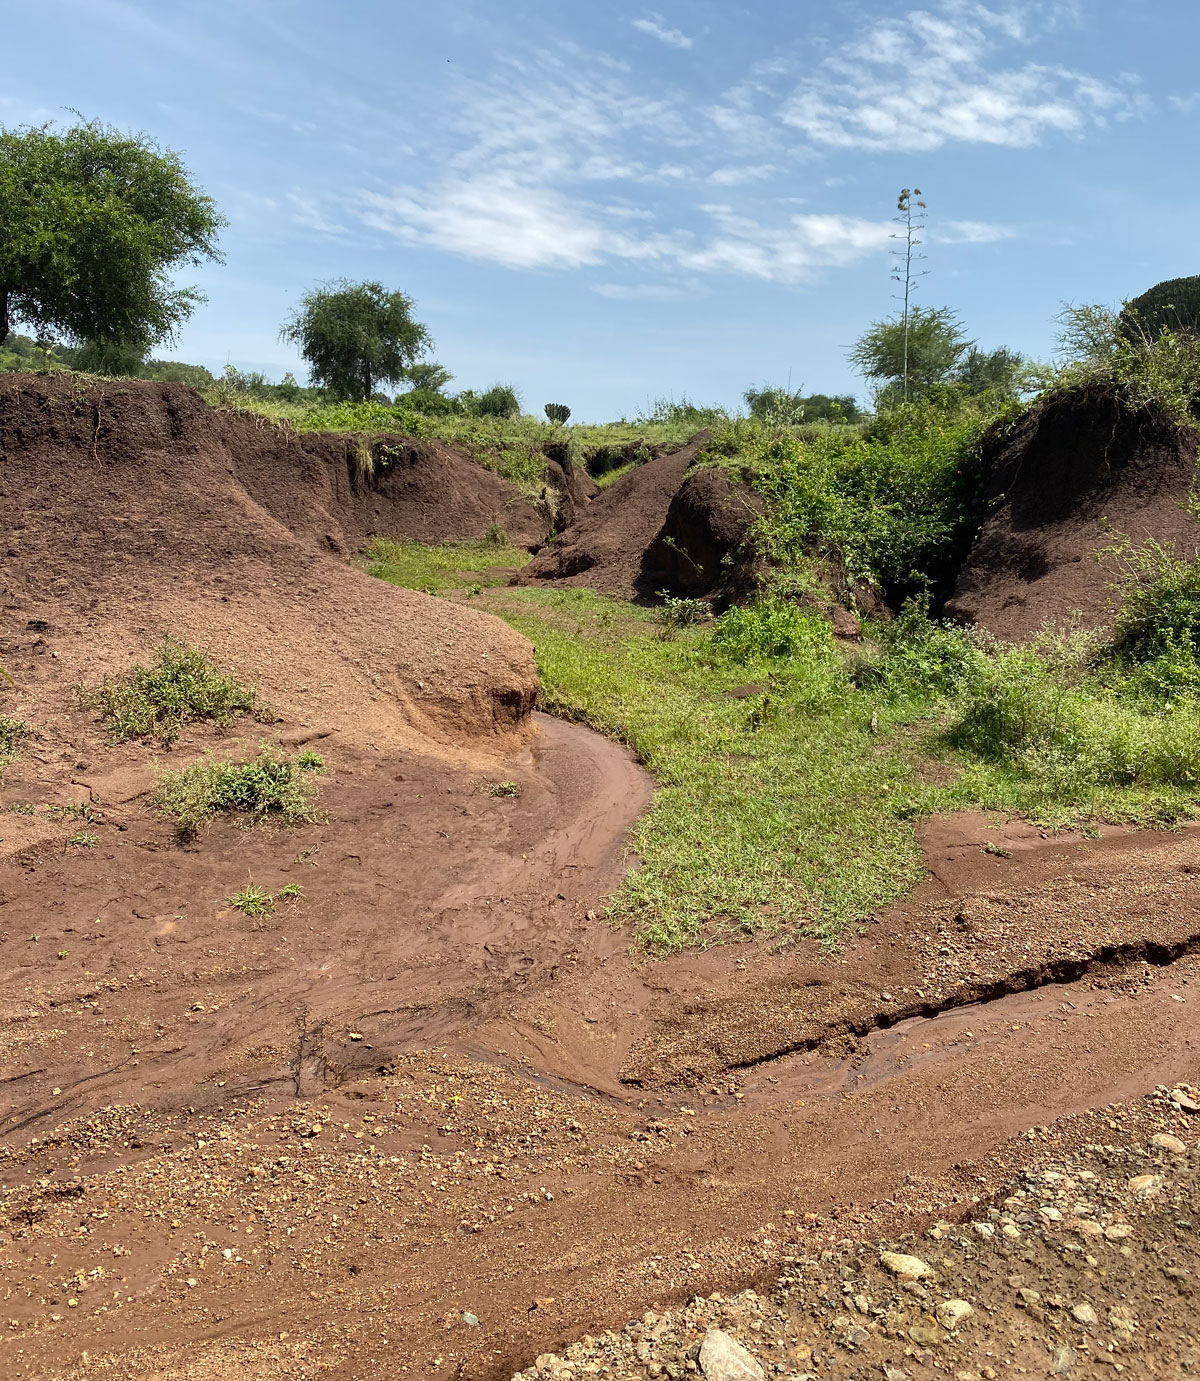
[(431, 1119)]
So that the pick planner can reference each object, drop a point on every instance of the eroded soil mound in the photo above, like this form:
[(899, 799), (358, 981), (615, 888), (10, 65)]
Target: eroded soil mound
[(1078, 467), (131, 510), (604, 549), (700, 549)]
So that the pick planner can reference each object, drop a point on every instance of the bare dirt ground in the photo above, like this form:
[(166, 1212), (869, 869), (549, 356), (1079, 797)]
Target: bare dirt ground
[(432, 1118)]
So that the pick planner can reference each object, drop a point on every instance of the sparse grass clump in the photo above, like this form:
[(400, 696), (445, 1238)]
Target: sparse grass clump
[(269, 786), (14, 734), (504, 789), (253, 900), (156, 701)]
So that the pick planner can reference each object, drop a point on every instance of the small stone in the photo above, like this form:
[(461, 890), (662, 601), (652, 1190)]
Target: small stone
[(1088, 1227), (1029, 1296), (984, 1229), (723, 1358), (1051, 1214), (856, 1337), (1084, 1313), (1166, 1142), (906, 1267), (470, 1319), (924, 1335), (1184, 1100), (1062, 1359), (894, 1374), (953, 1312), (1118, 1231), (1146, 1185)]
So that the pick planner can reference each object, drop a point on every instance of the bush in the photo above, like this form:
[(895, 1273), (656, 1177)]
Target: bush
[(770, 629), (920, 657), (268, 786), (398, 419), (180, 686), (894, 504)]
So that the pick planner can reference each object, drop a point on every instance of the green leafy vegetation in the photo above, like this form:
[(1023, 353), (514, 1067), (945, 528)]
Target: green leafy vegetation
[(269, 786), (450, 566), (156, 701), (85, 839), (355, 337), (792, 767), (94, 223), (14, 734), (253, 900), (892, 504), (503, 789)]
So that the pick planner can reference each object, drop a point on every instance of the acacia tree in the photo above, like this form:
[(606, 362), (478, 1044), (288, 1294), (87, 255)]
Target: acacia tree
[(92, 223), (908, 357), (356, 336)]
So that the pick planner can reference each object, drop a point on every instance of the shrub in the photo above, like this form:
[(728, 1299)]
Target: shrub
[(772, 628), (399, 419), (557, 413), (920, 657), (674, 613), (269, 785), (179, 686)]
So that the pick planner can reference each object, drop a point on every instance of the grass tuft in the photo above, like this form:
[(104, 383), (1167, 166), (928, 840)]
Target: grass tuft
[(179, 686), (253, 900), (268, 786), (14, 734)]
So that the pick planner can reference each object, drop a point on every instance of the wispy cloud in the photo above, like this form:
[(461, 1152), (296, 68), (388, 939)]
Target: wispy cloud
[(658, 28), (788, 253), (915, 83), (972, 233), (645, 292), (734, 175)]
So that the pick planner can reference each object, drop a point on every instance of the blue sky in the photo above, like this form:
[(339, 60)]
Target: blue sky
[(604, 203)]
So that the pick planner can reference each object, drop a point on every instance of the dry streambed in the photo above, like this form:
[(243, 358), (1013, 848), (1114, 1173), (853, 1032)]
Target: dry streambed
[(429, 1119)]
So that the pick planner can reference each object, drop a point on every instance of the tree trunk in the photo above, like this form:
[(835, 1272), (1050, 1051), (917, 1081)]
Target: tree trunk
[(5, 323)]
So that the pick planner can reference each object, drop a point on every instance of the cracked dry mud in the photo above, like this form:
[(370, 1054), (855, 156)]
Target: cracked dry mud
[(432, 1119)]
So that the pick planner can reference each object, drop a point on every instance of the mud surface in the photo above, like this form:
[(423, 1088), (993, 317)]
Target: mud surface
[(438, 1086)]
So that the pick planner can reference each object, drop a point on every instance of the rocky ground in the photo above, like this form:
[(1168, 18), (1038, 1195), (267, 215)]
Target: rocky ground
[(1080, 1265)]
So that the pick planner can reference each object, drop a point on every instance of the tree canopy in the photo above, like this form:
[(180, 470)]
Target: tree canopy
[(356, 337), (93, 223), (939, 356)]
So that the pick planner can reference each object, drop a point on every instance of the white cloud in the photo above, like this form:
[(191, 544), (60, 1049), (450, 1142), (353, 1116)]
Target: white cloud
[(734, 175), (788, 253), (972, 233), (915, 83), (645, 292), (658, 28)]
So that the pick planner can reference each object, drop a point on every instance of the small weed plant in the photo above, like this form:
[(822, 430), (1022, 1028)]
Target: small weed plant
[(269, 786), (253, 900), (504, 789), (14, 734), (179, 686), (675, 613)]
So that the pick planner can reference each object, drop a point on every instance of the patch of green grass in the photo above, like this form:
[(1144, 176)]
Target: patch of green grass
[(290, 891), (252, 900), (85, 839), (269, 786), (450, 566), (503, 789), (179, 686), (14, 734)]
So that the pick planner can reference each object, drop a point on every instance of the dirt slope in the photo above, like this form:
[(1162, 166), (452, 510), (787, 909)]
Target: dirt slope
[(130, 510), (604, 549), (1074, 463)]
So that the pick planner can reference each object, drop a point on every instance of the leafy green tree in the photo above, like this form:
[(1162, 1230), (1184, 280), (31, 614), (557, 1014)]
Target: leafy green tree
[(428, 378), (558, 413), (501, 400), (999, 371), (778, 407), (925, 350), (355, 337), (93, 223)]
